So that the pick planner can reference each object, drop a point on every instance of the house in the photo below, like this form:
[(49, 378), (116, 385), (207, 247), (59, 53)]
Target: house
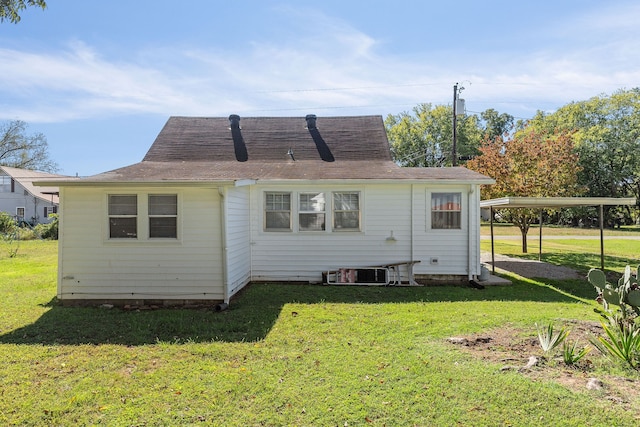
[(24, 201), (217, 203)]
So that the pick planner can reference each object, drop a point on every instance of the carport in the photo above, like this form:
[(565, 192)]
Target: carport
[(542, 203)]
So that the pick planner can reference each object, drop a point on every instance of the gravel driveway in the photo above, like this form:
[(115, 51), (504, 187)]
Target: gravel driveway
[(530, 268)]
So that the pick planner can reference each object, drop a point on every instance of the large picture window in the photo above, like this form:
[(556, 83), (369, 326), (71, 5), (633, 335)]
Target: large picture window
[(311, 212), (163, 216), (277, 212), (446, 211), (123, 216), (346, 211)]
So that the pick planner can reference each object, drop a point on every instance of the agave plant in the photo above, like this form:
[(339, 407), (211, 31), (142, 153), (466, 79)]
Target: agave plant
[(570, 353), (550, 339), (622, 341)]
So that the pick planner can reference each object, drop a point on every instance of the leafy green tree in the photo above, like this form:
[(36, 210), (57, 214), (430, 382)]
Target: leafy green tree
[(607, 137), (424, 137), (496, 124), (529, 164), (19, 150), (10, 9)]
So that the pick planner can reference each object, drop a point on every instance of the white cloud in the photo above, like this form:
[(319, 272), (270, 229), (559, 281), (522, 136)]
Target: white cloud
[(319, 63)]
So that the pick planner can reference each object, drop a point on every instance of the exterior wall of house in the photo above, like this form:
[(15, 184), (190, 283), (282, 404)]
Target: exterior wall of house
[(93, 266), (238, 237), (15, 200), (390, 215)]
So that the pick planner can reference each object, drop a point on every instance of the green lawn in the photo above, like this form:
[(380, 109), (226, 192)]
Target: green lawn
[(284, 355)]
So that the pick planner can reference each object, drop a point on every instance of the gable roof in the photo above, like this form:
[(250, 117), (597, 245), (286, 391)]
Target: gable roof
[(26, 179), (214, 149)]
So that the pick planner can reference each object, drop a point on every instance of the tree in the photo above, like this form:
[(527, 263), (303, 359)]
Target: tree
[(529, 164), (10, 9), (607, 138), (496, 124), (425, 136), (19, 150)]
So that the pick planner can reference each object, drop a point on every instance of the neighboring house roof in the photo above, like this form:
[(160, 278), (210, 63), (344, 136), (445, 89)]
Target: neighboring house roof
[(26, 179), (210, 149)]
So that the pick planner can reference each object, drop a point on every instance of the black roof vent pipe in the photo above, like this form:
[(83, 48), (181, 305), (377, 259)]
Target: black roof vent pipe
[(239, 146), (311, 121), (323, 149)]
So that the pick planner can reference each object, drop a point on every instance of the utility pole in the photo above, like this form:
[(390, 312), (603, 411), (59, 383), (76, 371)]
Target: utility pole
[(454, 154), (456, 100)]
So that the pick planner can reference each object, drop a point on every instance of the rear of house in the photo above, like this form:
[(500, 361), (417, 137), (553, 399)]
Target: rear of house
[(215, 205)]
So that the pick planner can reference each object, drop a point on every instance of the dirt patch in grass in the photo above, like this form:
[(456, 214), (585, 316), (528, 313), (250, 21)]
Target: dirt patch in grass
[(512, 349)]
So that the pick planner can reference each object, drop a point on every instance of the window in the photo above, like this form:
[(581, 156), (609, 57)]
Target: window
[(346, 211), (311, 212), (446, 210), (48, 210), (277, 212), (6, 184), (163, 216), (123, 216), (20, 214)]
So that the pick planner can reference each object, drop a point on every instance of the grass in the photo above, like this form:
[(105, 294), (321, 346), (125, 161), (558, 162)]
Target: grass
[(281, 355)]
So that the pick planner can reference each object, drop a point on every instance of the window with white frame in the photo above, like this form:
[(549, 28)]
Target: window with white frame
[(163, 216), (277, 211), (446, 211), (311, 212), (123, 216), (346, 211)]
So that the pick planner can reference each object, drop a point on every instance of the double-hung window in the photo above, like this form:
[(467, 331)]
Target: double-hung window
[(346, 211), (163, 216), (277, 212), (446, 210), (123, 216), (311, 212)]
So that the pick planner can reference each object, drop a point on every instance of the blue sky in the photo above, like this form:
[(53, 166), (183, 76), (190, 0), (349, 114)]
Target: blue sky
[(100, 78)]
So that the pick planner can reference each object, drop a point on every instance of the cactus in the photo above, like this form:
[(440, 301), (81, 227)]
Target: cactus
[(627, 293)]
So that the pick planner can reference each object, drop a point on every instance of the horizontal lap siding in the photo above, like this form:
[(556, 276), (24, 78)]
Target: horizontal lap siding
[(94, 267), (238, 238), (305, 255), (450, 247)]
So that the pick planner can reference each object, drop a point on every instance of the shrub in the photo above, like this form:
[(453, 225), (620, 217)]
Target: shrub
[(48, 231), (7, 223)]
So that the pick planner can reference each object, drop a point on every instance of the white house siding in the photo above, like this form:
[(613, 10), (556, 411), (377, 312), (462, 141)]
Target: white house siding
[(237, 234), (396, 226), (92, 266), (303, 256), (447, 252)]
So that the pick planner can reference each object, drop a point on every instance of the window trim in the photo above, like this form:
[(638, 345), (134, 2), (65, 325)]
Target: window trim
[(265, 211), (334, 211), (150, 216), (136, 216), (142, 220), (459, 211), (323, 212)]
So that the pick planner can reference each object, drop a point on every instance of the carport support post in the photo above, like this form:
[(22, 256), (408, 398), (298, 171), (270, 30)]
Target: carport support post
[(493, 258), (540, 238), (602, 237)]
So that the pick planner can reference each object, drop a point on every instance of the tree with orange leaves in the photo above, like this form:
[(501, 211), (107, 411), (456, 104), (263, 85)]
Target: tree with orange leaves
[(529, 164)]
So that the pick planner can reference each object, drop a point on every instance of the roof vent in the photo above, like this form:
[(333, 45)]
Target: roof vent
[(239, 146), (311, 121), (323, 149), (234, 121)]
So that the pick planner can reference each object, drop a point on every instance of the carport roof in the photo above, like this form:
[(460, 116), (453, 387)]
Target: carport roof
[(556, 202)]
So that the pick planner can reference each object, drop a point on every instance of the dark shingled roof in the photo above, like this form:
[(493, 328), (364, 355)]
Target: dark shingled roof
[(202, 149), (269, 139)]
